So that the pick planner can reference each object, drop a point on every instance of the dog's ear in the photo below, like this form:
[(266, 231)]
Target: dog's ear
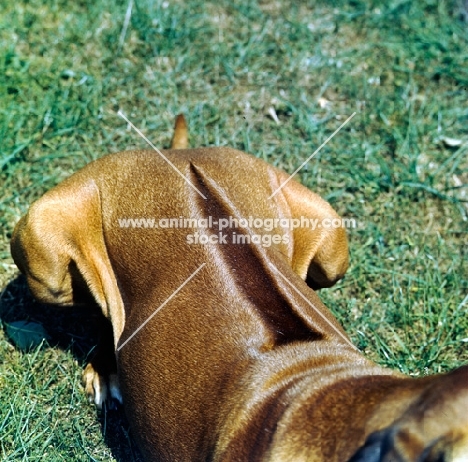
[(59, 246), (320, 248)]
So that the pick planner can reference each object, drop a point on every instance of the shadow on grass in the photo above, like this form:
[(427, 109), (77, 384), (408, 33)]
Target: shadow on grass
[(76, 330)]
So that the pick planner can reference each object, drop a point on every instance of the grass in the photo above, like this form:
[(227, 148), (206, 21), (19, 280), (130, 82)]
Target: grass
[(67, 67)]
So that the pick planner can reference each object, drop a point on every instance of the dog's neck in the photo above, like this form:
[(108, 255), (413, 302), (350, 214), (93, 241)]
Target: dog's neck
[(256, 278)]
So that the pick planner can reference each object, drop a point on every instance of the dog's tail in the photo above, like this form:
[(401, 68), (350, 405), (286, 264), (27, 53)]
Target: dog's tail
[(180, 138)]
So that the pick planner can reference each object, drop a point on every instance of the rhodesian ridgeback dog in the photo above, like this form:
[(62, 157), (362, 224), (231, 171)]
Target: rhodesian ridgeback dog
[(224, 352)]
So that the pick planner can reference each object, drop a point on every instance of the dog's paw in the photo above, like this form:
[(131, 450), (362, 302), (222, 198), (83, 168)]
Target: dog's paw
[(433, 429), (101, 389), (392, 445)]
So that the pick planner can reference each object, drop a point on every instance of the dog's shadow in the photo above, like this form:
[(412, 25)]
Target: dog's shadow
[(75, 330)]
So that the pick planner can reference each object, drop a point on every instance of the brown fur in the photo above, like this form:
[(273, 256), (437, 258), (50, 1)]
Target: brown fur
[(244, 363)]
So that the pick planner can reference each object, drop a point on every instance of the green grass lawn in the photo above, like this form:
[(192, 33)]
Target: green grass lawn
[(271, 78)]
